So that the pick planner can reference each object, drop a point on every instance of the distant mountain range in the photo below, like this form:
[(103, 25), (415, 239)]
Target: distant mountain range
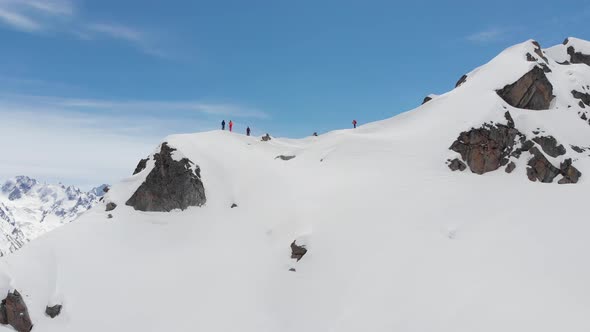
[(29, 208)]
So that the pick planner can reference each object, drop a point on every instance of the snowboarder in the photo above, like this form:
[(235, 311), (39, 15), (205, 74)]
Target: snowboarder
[(248, 131), (231, 125), (223, 125), (354, 123)]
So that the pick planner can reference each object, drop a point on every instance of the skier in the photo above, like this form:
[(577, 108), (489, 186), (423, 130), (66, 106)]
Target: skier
[(248, 131), (354, 123), (231, 125), (223, 125)]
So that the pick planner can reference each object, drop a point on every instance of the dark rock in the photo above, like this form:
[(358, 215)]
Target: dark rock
[(170, 185), (234, 205), (106, 189), (546, 68), (13, 311), (584, 97), (566, 41), (141, 166), (581, 104), (283, 157), (530, 58), (539, 52), (109, 216), (508, 118), (510, 167), (53, 311), (426, 99), (532, 91), (462, 80), (111, 206), (577, 149), (569, 172), (297, 252), (549, 146), (487, 148), (540, 169), (577, 57), (457, 165), (292, 269), (266, 138)]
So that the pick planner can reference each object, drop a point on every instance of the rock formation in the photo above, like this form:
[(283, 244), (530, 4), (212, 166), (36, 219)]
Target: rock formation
[(297, 252), (170, 185), (14, 312), (532, 91)]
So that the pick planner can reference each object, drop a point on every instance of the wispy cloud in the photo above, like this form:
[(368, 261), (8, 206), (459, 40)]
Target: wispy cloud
[(489, 35), (61, 16), (33, 15), (92, 141)]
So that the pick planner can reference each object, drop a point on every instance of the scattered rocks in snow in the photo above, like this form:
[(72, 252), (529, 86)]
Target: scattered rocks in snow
[(234, 205), (510, 167), (141, 166), (487, 148), (539, 52), (297, 252), (569, 172), (540, 169), (266, 138), (462, 80), (111, 206), (53, 311), (457, 165), (283, 157), (550, 146), (532, 91), (584, 98), (170, 185), (577, 149), (577, 57), (13, 311), (530, 58)]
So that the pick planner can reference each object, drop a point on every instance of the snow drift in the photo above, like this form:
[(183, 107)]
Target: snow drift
[(359, 230)]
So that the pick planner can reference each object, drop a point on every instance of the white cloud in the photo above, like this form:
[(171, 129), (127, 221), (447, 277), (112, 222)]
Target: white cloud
[(117, 32), (88, 141), (18, 21), (489, 35)]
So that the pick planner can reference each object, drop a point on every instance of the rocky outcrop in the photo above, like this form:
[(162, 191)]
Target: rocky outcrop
[(487, 148), (266, 138), (510, 167), (14, 312), (583, 97), (426, 99), (297, 252), (539, 51), (578, 149), (532, 91), (462, 80), (234, 205), (569, 172), (170, 185), (550, 146), (111, 206), (578, 57), (53, 311), (540, 169), (283, 157), (457, 165), (141, 166)]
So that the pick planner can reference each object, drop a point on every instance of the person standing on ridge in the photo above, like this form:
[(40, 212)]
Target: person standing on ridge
[(223, 125), (248, 131), (354, 123), (231, 125)]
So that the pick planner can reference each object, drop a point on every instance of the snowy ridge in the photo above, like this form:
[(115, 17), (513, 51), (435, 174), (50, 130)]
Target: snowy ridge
[(29, 209), (395, 241)]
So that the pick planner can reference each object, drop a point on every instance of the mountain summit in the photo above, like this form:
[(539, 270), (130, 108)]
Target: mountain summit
[(467, 213)]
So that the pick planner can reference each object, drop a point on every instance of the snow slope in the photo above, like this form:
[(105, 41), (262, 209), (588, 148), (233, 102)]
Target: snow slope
[(396, 241), (29, 208)]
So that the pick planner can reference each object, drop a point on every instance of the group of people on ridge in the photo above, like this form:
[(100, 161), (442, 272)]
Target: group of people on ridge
[(231, 127), (248, 131)]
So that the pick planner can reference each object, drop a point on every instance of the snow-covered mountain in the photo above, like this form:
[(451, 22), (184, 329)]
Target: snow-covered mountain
[(468, 213), (29, 208)]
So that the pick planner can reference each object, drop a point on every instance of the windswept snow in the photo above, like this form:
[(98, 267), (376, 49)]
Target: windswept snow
[(395, 240)]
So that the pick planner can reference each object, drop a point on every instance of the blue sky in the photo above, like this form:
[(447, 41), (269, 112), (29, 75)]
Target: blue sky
[(103, 81)]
